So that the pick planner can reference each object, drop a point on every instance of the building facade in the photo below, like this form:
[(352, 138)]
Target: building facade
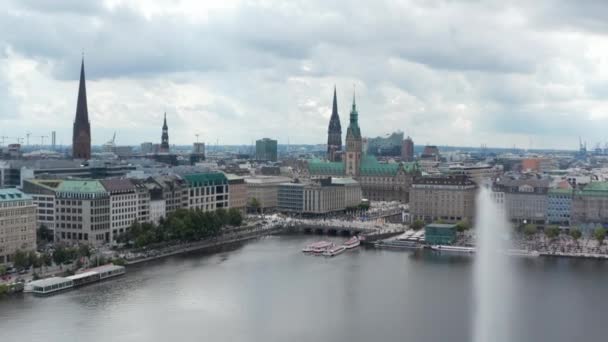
[(407, 150), (264, 189), (559, 206), (174, 191), (321, 196), (590, 204), (237, 192), (207, 191), (17, 224), (525, 199), (124, 205), (290, 197), (266, 149), (82, 213), (43, 196), (445, 198), (81, 134)]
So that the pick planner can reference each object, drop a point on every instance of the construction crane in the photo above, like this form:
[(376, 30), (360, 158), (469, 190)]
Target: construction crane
[(19, 139), (42, 137)]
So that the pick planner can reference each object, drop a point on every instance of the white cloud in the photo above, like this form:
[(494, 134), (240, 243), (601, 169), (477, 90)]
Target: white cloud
[(457, 73)]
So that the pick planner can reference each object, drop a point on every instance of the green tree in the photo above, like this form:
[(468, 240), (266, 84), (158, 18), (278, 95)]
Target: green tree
[(552, 232), (576, 234), (46, 259), (254, 205), (600, 235), (84, 251), (21, 259), (234, 217), (3, 289), (364, 206), (530, 230), (2, 270), (462, 226), (44, 234), (417, 225), (34, 260)]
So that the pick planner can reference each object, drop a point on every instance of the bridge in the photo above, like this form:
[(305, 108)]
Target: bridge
[(341, 227)]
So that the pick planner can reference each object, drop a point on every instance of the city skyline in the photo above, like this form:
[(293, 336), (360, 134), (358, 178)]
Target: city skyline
[(225, 83)]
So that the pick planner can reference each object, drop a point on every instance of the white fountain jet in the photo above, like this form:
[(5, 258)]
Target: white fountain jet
[(493, 272)]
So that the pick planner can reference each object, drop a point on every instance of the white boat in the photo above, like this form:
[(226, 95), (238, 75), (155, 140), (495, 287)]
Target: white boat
[(397, 244), (333, 251), (522, 253), (318, 247), (455, 249), (352, 243)]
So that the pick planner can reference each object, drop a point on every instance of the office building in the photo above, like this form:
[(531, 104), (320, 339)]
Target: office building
[(266, 150), (445, 198), (407, 150), (207, 191), (82, 212), (17, 224)]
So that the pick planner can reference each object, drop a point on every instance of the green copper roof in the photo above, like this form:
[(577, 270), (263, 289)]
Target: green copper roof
[(353, 127), (320, 167), (204, 179), (559, 191), (594, 189), (83, 187), (11, 195), (370, 166)]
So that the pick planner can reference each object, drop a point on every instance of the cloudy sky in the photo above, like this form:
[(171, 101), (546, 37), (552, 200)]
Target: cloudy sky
[(465, 73)]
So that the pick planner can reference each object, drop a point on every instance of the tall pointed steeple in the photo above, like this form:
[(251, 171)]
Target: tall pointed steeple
[(81, 135), (354, 145), (354, 119), (334, 132), (164, 144)]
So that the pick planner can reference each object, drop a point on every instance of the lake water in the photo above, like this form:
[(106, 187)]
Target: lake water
[(267, 290)]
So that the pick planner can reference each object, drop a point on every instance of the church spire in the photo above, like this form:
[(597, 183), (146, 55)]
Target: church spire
[(334, 132), (82, 111), (81, 134), (164, 139), (354, 118)]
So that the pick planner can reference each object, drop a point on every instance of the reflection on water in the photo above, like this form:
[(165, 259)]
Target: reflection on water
[(267, 290)]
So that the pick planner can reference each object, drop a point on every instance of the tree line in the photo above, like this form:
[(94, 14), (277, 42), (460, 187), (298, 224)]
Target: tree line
[(181, 225)]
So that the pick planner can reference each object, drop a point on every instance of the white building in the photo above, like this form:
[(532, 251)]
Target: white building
[(157, 210), (123, 205), (207, 191)]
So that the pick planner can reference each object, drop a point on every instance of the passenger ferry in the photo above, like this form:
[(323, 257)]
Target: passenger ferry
[(352, 242), (55, 284), (333, 251), (318, 247), (455, 249), (397, 244), (48, 286)]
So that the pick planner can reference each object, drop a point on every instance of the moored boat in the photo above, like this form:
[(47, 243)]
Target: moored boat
[(318, 247), (397, 244), (522, 253), (333, 251), (455, 249), (352, 242)]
